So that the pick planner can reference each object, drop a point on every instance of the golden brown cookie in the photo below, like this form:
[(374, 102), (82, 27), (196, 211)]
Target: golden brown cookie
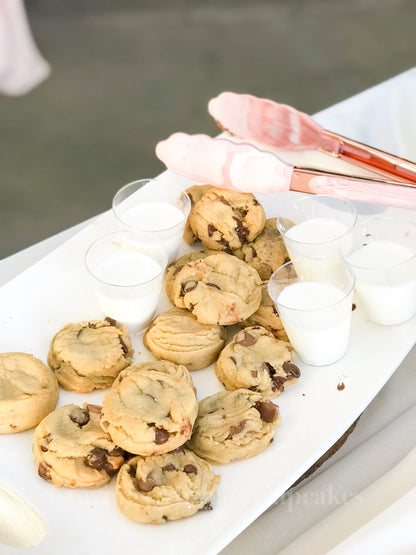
[(72, 450), (89, 355), (28, 392), (233, 425), (226, 219), (177, 336), (266, 252), (165, 487), (148, 412), (267, 316), (221, 289), (256, 360)]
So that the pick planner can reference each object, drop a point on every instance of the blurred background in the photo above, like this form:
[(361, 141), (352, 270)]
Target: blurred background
[(126, 74)]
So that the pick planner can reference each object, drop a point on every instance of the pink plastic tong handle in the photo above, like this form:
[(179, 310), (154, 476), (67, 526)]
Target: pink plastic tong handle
[(285, 128), (224, 163)]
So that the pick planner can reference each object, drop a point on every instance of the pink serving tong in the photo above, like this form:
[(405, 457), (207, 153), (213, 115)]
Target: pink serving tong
[(243, 167), (282, 127)]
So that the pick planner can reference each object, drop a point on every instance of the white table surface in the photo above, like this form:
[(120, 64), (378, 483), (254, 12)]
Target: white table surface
[(385, 117)]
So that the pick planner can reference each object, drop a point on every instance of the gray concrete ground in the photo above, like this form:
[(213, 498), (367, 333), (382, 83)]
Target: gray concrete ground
[(127, 74)]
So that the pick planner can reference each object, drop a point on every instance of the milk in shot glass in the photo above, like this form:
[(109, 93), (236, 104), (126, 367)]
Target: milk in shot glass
[(155, 207), (382, 255), (316, 313), (127, 269), (312, 228)]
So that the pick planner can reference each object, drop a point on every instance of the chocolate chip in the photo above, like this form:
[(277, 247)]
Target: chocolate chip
[(116, 452), (161, 435), (341, 386), (80, 416), (233, 359), (109, 468), (44, 471), (111, 321), (124, 347), (275, 311), (247, 340), (207, 507), (188, 286), (237, 429), (94, 408), (211, 230), (105, 423), (354, 306), (44, 448), (291, 369), (241, 230), (278, 383), (96, 458), (132, 470), (268, 410), (190, 469), (92, 325), (168, 467), (241, 212), (256, 202), (213, 285), (224, 242), (146, 485), (269, 368), (253, 388)]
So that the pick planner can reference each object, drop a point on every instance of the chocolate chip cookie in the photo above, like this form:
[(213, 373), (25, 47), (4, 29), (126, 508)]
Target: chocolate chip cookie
[(267, 316), (256, 360), (225, 219), (266, 252), (177, 336), (28, 392), (148, 412), (174, 268), (195, 193), (221, 289), (233, 425), (89, 355), (72, 450), (165, 487), (177, 371)]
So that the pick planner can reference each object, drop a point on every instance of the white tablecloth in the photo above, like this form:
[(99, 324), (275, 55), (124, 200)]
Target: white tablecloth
[(315, 517)]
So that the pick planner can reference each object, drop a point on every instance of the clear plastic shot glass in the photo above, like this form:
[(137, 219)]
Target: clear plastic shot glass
[(155, 207), (313, 227), (382, 255), (127, 270), (315, 312)]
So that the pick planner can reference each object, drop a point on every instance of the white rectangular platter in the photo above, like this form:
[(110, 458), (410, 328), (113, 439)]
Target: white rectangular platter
[(56, 290)]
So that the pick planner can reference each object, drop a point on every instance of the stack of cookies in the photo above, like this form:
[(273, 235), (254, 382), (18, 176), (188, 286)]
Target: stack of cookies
[(225, 284), (150, 429)]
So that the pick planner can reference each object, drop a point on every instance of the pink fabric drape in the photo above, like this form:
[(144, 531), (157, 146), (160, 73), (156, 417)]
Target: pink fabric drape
[(22, 66)]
